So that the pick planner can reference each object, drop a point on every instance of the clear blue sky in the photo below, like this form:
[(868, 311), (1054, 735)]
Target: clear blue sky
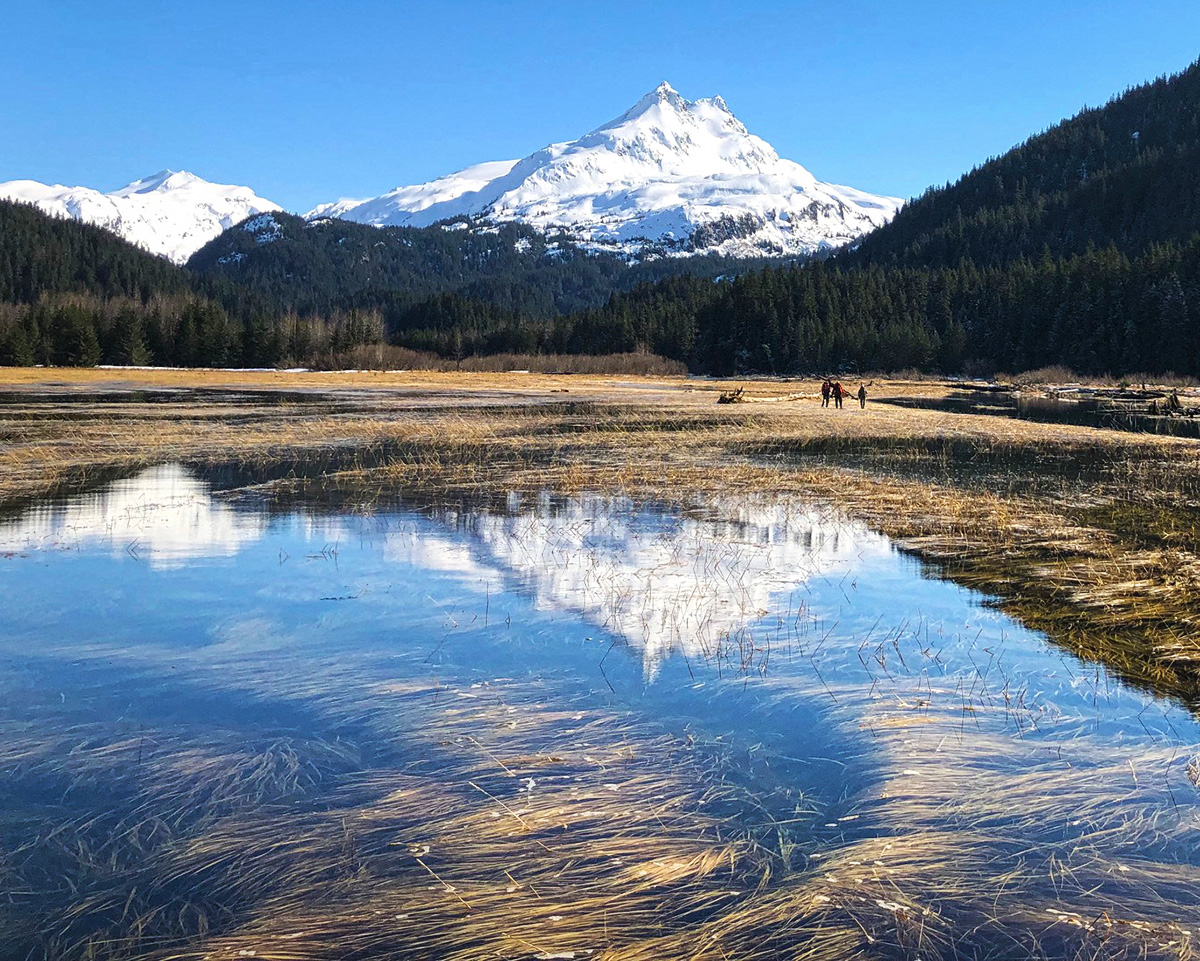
[(311, 101)]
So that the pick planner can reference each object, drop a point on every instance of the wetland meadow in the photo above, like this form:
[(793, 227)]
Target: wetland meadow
[(510, 665)]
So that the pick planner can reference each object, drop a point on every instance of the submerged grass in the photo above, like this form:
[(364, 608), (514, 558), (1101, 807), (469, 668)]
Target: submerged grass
[(502, 821)]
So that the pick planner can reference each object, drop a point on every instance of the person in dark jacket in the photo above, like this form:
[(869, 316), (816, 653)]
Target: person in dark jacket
[(826, 390), (862, 395)]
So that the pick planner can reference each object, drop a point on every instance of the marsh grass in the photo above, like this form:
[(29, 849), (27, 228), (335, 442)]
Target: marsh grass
[(1057, 521)]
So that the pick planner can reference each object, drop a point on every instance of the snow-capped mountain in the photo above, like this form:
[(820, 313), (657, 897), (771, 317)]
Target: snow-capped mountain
[(668, 175), (171, 213), (684, 174)]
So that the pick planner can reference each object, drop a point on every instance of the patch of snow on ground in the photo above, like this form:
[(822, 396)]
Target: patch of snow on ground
[(265, 228)]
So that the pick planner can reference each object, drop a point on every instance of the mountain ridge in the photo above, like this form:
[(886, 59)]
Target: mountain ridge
[(1125, 173)]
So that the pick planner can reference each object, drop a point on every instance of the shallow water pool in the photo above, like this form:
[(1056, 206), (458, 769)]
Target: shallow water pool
[(229, 724)]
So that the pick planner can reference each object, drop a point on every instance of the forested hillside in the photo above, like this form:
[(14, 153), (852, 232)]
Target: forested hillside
[(1079, 247), (74, 294), (507, 269), (1099, 312), (1126, 174), (42, 255), (279, 290)]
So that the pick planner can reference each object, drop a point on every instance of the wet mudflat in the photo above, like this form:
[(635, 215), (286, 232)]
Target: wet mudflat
[(1061, 408), (557, 727)]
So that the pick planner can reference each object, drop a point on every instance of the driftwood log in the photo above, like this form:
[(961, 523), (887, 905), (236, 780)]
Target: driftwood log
[(739, 396)]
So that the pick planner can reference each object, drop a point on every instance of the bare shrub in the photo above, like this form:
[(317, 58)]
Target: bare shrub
[(643, 364), (1055, 374)]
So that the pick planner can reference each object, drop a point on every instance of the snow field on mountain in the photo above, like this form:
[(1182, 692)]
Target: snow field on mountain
[(669, 177)]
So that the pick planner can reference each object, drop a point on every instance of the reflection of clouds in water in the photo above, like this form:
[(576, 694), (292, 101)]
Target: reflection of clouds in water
[(663, 584), (437, 552), (164, 514), (249, 636)]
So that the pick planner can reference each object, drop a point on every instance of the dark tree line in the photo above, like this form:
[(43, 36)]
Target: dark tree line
[(72, 294), (41, 254), (1099, 312), (81, 330), (280, 291)]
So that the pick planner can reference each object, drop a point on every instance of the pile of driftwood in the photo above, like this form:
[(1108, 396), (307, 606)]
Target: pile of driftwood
[(1112, 393), (1162, 401), (739, 396)]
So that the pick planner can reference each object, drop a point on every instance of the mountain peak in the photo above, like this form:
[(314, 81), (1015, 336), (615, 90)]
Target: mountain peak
[(717, 102), (664, 105), (681, 173), (162, 180), (666, 94), (663, 95)]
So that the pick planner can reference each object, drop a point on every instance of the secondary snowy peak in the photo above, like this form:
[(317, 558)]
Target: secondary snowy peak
[(679, 175), (172, 213)]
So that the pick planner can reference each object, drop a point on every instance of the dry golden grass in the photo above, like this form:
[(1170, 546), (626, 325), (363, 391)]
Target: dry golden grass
[(96, 378)]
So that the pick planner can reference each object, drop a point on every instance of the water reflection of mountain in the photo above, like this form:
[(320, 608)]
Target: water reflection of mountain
[(164, 514), (663, 583)]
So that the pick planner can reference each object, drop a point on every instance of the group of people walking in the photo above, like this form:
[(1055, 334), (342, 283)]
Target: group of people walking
[(835, 390)]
